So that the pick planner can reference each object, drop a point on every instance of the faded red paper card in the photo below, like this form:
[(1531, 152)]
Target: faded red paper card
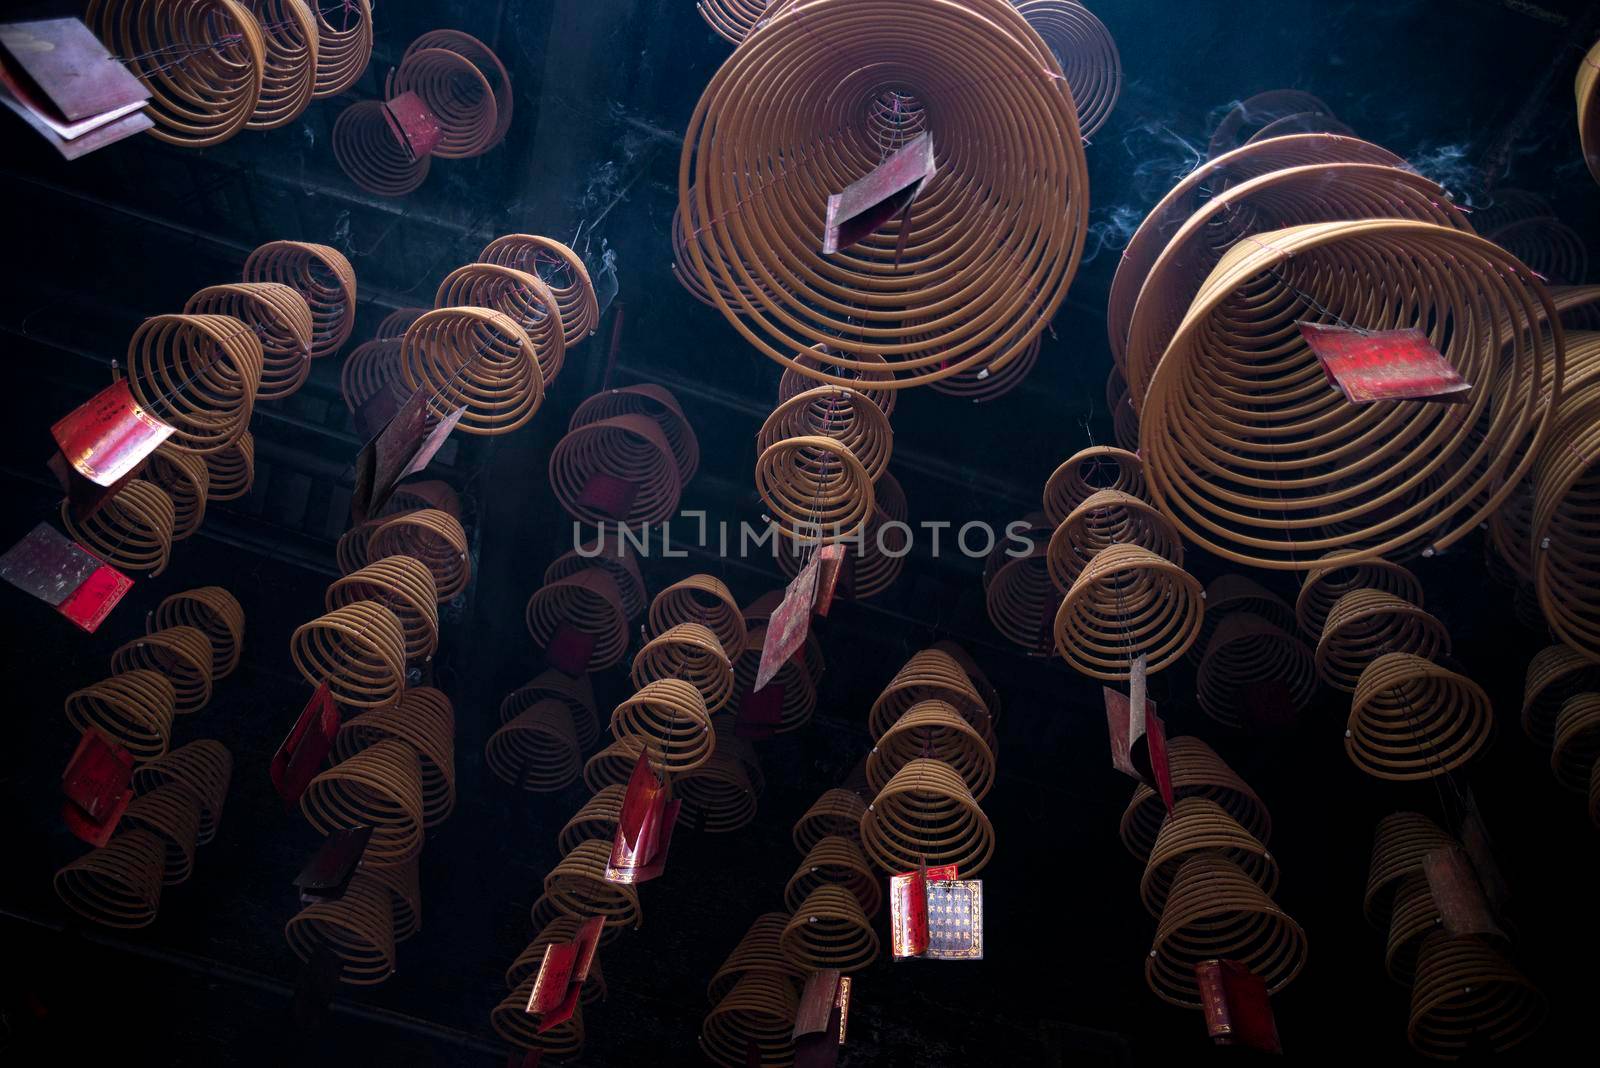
[(644, 828), (884, 192), (300, 757), (1138, 736), (1236, 1007), (789, 624), (71, 69), (402, 448), (820, 1023), (832, 567), (64, 575), (96, 783), (569, 650), (327, 874), (1374, 365), (1456, 893), (103, 442), (374, 414), (414, 126), (908, 909), (562, 973), (608, 495)]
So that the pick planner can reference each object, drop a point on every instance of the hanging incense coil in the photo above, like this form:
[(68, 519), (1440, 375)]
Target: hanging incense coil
[(424, 720), (588, 603), (405, 895), (626, 449), (1412, 719), (1198, 827), (119, 884), (732, 19), (926, 815), (799, 695), (792, 383), (1399, 846), (1321, 588), (1554, 674), (171, 813), (877, 297), (872, 565), (974, 672), (759, 951), (611, 556), (186, 480), (528, 962), (432, 536), (322, 276), (753, 1023), (720, 795), (201, 94), (198, 373), (393, 326), (575, 694), (371, 368), (1196, 771), (1587, 87), (488, 64), (852, 419), (837, 813), (133, 708), (402, 584), (1364, 624), (1087, 472), (1232, 593), (1414, 917), (378, 787), (1086, 52), (660, 405), (839, 862), (760, 611), (359, 650), (205, 768), (370, 154), (521, 296), (613, 765), (357, 928), (930, 675), (1126, 602), (455, 92), (577, 886), (816, 488), (280, 317), (1468, 996), (705, 600), (691, 653), (536, 750), (1019, 595), (829, 930), (182, 654), (933, 729), (511, 1021), (1550, 248), (1104, 519), (217, 614), (1577, 741), (1565, 485), (671, 718), (476, 359), (344, 46), (353, 548), (561, 269), (1246, 654), (598, 818), (231, 470), (1215, 910), (1258, 112), (289, 37)]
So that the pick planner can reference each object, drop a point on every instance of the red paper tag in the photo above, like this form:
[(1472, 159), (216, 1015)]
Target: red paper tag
[(327, 874), (300, 757), (644, 829), (1138, 737), (96, 784), (377, 410), (760, 713), (102, 444), (789, 624), (1236, 1007), (819, 1025), (65, 575), (402, 448), (908, 909), (414, 126), (886, 191), (569, 650), (608, 495), (1453, 884), (832, 568), (1376, 365), (74, 74), (562, 973)]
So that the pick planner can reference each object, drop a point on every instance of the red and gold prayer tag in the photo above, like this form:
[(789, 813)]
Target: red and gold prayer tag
[(1374, 365), (1237, 1010), (562, 973), (821, 1020), (103, 442), (644, 829), (300, 757), (933, 915)]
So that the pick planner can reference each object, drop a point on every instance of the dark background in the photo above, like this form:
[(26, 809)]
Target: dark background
[(1476, 94)]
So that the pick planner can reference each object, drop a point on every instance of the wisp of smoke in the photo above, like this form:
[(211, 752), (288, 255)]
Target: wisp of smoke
[(1112, 232), (1161, 158)]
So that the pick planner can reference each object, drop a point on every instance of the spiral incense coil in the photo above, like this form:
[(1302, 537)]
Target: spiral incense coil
[(511, 1021), (562, 270), (322, 276), (851, 419), (760, 611), (354, 546), (837, 813), (1587, 87), (280, 318), (1551, 249), (815, 487), (172, 813), (378, 787), (134, 708), (357, 928), (753, 1023), (186, 479), (732, 19), (119, 884), (877, 561), (433, 536), (1215, 910), (371, 367), (629, 448), (182, 654), (720, 795), (1412, 719), (1468, 996), (1197, 771), (457, 94), (1126, 602), (1087, 54), (1257, 113), (587, 602), (536, 750), (529, 961), (1087, 472), (202, 61), (578, 887), (1198, 827), (344, 45), (671, 718), (1019, 594), (476, 359), (576, 694), (759, 951), (1577, 741), (423, 720), (1565, 485), (205, 768), (799, 693), (835, 861), (289, 37), (1554, 674), (521, 296), (926, 815), (1245, 652), (793, 383), (430, 493), (405, 895), (933, 729), (935, 307), (683, 268), (403, 585), (1414, 918), (930, 675), (598, 818), (231, 470), (488, 64), (613, 765), (359, 650), (611, 556), (1364, 624), (974, 672), (1104, 519), (691, 653), (1399, 846), (1321, 588), (829, 930), (198, 373), (370, 155), (660, 405), (217, 614), (705, 600)]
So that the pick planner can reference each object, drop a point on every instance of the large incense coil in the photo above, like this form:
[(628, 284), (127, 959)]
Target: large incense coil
[(815, 487), (1550, 248), (792, 383), (598, 818), (511, 1021), (1232, 593), (1413, 918), (720, 795), (172, 813), (344, 45), (577, 886), (403, 585), (799, 700), (423, 720), (522, 296), (562, 270), (537, 749), (611, 556), (702, 599), (758, 950), (378, 787), (217, 614), (231, 470), (119, 884), (1566, 481), (289, 69), (926, 815), (1198, 827), (200, 94), (837, 813), (732, 19), (432, 536), (939, 306), (1364, 624), (405, 896), (683, 270), (1127, 602), (1399, 846), (1587, 87), (829, 930), (835, 861), (280, 317), (187, 480), (587, 602), (476, 359), (1104, 519), (1249, 116), (357, 928), (576, 694), (1554, 674), (654, 401), (1087, 54), (528, 962), (488, 64), (753, 1023), (929, 675), (873, 565), (613, 765), (1276, 468), (933, 729), (1412, 719), (370, 155), (393, 326), (182, 654), (455, 92), (691, 653), (1019, 595), (850, 418), (1577, 741), (627, 448), (1248, 652), (353, 549), (319, 274), (1468, 996), (1087, 472), (670, 716), (134, 709), (359, 650), (1197, 771), (1321, 587), (199, 374), (205, 768), (1215, 910), (371, 368), (760, 611)]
